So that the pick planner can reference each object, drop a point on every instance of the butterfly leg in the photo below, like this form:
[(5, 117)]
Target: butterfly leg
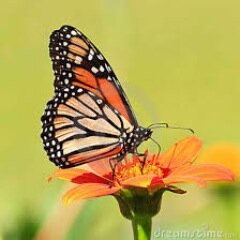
[(113, 162), (143, 160)]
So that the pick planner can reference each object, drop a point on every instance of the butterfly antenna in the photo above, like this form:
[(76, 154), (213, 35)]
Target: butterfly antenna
[(158, 145), (165, 125)]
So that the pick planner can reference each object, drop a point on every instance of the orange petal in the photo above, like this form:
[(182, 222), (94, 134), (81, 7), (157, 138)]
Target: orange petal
[(139, 181), (88, 190), (67, 174), (205, 170), (156, 180), (185, 179), (101, 167), (79, 176), (226, 153), (182, 153), (200, 174)]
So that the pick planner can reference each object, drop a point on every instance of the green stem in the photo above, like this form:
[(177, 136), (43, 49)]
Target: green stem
[(142, 226)]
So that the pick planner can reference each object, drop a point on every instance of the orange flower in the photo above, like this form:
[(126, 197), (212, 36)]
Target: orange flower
[(223, 153), (160, 172)]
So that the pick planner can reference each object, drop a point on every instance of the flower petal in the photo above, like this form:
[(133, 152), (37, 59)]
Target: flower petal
[(175, 190), (185, 179), (101, 167), (139, 181), (88, 190), (67, 174), (226, 153), (79, 176), (182, 153), (200, 174)]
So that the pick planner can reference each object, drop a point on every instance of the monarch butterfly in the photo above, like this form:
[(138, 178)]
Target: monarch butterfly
[(90, 117)]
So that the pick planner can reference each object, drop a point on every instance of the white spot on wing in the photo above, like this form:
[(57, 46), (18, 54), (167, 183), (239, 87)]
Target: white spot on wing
[(94, 69), (101, 69), (78, 60), (90, 57), (100, 57), (99, 101), (73, 33)]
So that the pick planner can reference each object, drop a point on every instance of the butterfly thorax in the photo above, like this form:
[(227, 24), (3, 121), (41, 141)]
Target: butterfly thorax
[(133, 139)]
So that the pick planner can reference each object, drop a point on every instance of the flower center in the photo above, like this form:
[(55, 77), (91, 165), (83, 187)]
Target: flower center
[(127, 169)]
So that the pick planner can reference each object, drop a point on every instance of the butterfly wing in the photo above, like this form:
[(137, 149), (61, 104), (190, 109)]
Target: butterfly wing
[(77, 62), (80, 127), (90, 111)]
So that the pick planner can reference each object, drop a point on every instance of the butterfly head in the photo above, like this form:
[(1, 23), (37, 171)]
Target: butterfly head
[(147, 134), (142, 134)]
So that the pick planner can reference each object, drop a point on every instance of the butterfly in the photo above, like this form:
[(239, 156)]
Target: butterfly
[(89, 117)]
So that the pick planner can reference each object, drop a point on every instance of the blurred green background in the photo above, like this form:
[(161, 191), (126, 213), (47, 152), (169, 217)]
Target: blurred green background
[(178, 61)]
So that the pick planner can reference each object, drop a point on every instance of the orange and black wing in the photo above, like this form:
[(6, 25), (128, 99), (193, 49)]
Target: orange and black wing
[(79, 127), (89, 114), (77, 62)]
